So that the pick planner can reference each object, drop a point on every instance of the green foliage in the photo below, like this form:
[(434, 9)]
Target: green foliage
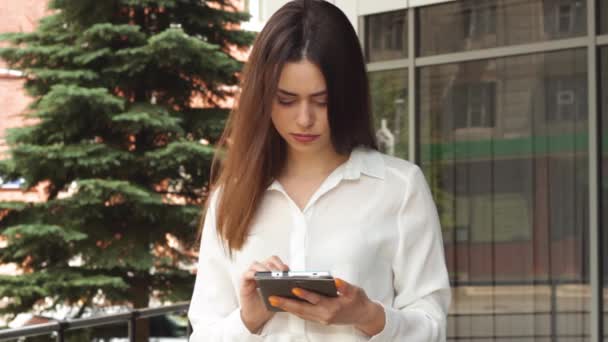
[(37, 231), (145, 116), (117, 144)]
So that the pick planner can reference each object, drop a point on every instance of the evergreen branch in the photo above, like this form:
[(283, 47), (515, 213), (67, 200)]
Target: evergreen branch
[(104, 33)]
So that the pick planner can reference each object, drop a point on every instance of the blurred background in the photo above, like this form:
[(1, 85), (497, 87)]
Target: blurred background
[(503, 103)]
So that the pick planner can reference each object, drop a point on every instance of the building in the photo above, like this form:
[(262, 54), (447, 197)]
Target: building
[(15, 16), (500, 102)]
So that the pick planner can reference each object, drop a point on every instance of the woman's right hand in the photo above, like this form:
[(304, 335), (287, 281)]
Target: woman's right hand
[(253, 311)]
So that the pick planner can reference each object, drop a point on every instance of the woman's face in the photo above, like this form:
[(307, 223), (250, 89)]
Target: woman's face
[(299, 110)]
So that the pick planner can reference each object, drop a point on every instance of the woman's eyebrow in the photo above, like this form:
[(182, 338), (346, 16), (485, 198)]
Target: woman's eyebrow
[(288, 93)]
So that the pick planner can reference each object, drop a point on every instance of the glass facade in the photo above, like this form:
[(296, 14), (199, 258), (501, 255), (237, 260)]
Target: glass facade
[(503, 139), (477, 24), (386, 36), (503, 146), (603, 7), (389, 105), (603, 95)]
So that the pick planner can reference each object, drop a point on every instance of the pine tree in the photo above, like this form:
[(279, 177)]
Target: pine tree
[(118, 144)]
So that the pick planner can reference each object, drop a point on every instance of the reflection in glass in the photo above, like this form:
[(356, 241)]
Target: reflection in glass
[(503, 144), (603, 16), (386, 36), (473, 24), (604, 170), (389, 108)]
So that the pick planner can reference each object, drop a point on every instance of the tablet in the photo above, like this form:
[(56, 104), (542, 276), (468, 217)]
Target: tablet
[(281, 283)]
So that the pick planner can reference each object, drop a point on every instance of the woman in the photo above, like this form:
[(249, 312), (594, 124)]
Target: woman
[(302, 187)]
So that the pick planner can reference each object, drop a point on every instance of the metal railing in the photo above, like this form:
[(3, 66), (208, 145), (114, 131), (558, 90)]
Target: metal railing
[(59, 328)]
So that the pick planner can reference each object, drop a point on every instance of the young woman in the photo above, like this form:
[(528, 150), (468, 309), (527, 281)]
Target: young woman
[(302, 187)]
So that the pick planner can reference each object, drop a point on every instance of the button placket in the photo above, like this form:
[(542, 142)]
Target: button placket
[(297, 256), (297, 250), (299, 245)]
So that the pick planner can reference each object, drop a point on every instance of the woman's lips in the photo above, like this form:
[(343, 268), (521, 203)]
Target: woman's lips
[(305, 138)]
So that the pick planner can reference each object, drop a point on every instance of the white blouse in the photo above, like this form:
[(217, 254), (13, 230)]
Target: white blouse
[(372, 222)]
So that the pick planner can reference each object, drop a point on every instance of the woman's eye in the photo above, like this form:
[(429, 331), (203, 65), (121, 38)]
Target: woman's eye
[(285, 102)]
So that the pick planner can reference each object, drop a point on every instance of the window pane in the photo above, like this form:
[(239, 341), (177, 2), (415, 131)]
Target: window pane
[(386, 36), (477, 24), (604, 175), (503, 144), (390, 110), (604, 16)]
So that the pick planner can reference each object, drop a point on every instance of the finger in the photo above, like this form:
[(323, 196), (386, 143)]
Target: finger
[(311, 297), (305, 310), (255, 267), (248, 284), (279, 263), (248, 277), (272, 265), (344, 288), (259, 267), (293, 306), (276, 265), (325, 312)]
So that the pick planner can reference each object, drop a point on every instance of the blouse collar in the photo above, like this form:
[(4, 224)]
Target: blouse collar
[(362, 160)]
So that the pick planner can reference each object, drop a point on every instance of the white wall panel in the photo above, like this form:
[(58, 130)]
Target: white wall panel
[(376, 6), (355, 8), (418, 3)]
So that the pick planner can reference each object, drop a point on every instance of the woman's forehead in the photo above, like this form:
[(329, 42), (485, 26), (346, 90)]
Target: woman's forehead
[(301, 78)]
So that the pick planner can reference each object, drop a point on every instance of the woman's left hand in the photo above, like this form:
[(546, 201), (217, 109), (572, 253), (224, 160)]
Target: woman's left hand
[(352, 306)]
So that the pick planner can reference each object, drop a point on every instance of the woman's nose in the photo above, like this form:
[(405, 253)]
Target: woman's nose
[(305, 115)]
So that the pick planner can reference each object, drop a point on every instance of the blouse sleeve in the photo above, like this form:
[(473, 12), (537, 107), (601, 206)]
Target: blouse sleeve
[(422, 289), (214, 311)]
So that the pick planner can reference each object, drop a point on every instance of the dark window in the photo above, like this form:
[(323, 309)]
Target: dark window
[(566, 99), (474, 105), (565, 18), (386, 36), (479, 20)]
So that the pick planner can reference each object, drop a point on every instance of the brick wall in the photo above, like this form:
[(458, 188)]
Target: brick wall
[(16, 16)]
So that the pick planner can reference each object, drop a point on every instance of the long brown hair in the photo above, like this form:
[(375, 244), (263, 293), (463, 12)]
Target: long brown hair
[(255, 153)]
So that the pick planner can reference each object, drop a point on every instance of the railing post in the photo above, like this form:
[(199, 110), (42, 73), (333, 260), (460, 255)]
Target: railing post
[(133, 325), (60, 331), (553, 318)]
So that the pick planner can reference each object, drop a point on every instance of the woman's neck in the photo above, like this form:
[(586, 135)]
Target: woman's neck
[(312, 165)]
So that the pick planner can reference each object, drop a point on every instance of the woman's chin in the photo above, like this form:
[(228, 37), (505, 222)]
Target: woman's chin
[(299, 147)]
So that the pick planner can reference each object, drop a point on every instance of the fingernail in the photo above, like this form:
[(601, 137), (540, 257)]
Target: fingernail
[(296, 292), (339, 282), (274, 301)]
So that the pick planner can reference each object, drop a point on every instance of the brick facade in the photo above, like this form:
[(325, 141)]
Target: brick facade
[(16, 16)]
